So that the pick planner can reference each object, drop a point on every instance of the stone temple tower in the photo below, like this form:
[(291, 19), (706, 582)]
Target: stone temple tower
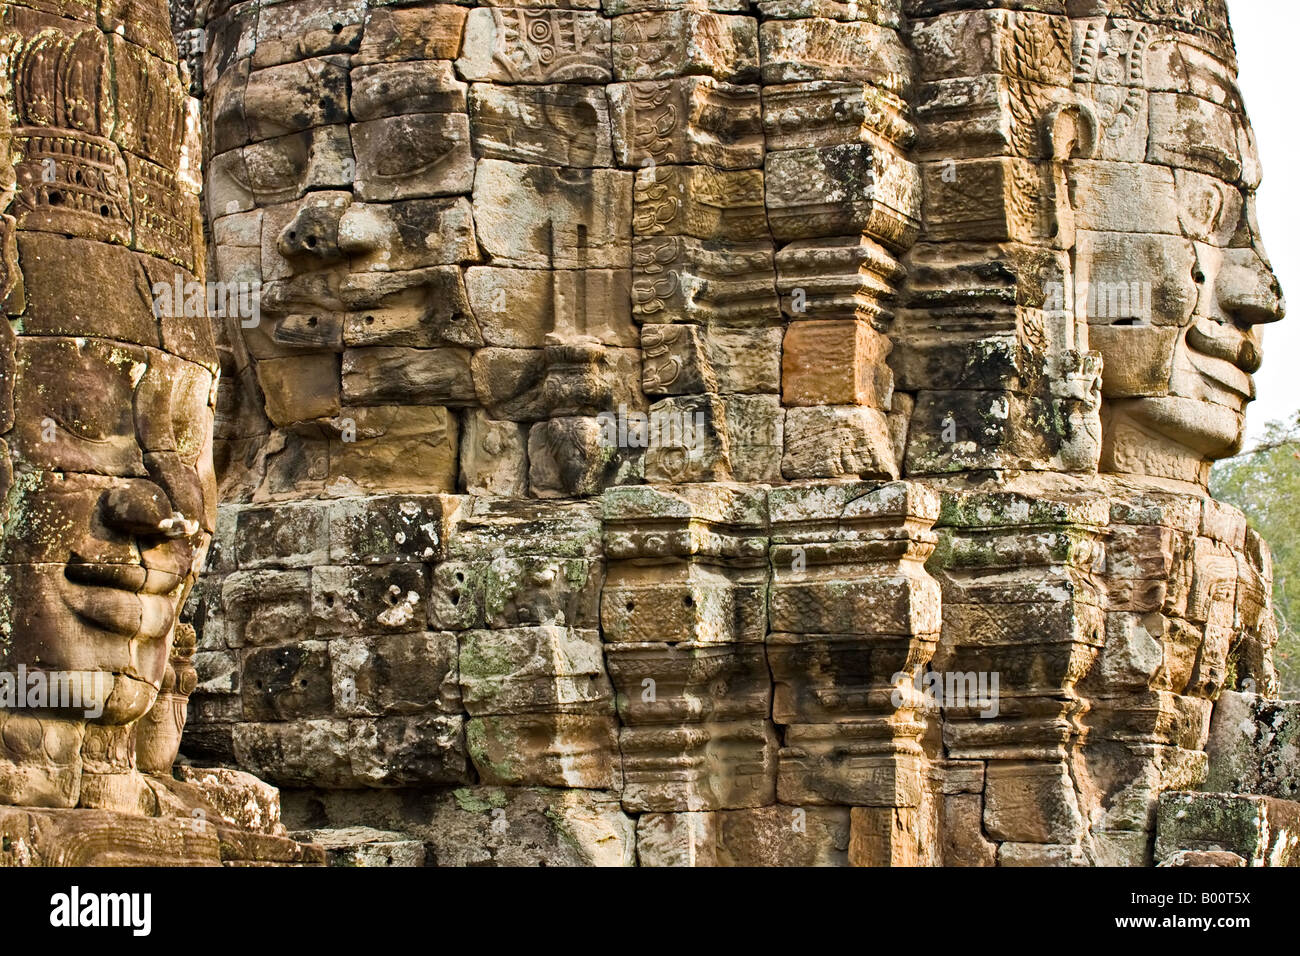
[(703, 432)]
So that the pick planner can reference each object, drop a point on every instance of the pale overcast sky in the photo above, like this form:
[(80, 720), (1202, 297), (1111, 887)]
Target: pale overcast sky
[(1265, 32)]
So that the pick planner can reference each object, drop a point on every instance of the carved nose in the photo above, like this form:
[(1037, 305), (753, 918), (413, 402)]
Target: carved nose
[(314, 231), (362, 230), (1247, 289)]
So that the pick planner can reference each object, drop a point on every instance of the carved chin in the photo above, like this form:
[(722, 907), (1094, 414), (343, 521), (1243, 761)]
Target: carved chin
[(130, 700), (1206, 429), (117, 639)]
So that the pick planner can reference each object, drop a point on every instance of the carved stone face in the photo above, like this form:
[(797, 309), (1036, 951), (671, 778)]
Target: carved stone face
[(1170, 267), (102, 538), (107, 391), (456, 212), (341, 188)]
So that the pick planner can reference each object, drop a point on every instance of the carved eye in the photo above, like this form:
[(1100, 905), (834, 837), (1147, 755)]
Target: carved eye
[(414, 144), (278, 166), (97, 409)]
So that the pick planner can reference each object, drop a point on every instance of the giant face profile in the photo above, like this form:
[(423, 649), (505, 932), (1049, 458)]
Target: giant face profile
[(1171, 268), (107, 398)]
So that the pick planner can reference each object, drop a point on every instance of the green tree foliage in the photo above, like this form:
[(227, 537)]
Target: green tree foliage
[(1264, 482)]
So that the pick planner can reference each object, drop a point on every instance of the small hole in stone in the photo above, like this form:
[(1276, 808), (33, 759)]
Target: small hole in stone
[(302, 683), (460, 577), (455, 598), (311, 242), (370, 320), (329, 600), (630, 605), (55, 197), (338, 28), (313, 321), (688, 601), (103, 210), (259, 685)]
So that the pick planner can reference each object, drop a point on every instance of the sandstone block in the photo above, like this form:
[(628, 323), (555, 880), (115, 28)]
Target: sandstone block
[(784, 836), (527, 827), (842, 190), (700, 202), (546, 669), (714, 283), (287, 681), (1253, 746), (365, 847), (837, 440), (822, 49), (408, 750), (266, 607), (668, 43), (555, 125), (835, 363), (1030, 803), (368, 600), (689, 119), (676, 839), (307, 28), (493, 456), (395, 674), (519, 45), (391, 89), (386, 528), (1260, 830), (395, 448), (550, 750), (518, 308), (534, 217), (385, 375), (424, 33), (416, 154)]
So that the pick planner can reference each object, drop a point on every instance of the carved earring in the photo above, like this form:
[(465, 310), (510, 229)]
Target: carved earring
[(1067, 131)]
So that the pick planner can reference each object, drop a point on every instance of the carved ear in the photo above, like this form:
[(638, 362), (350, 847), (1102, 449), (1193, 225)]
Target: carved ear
[(1069, 131)]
